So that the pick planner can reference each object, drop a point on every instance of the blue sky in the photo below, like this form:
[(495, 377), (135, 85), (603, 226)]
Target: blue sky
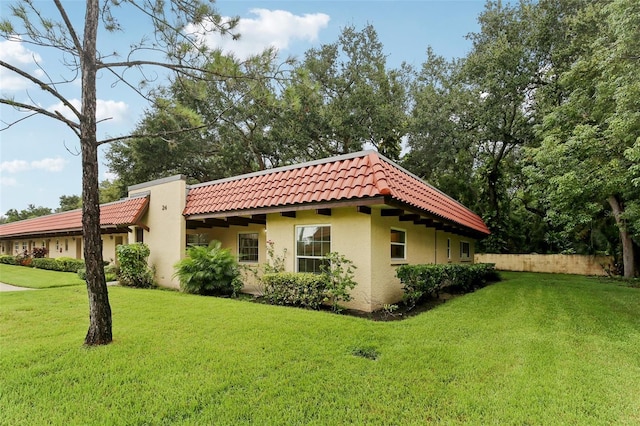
[(38, 156)]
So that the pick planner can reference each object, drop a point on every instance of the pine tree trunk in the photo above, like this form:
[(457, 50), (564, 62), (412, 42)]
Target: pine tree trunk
[(100, 332), (628, 258)]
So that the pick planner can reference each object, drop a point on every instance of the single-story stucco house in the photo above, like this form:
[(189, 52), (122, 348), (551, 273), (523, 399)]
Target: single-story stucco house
[(362, 205)]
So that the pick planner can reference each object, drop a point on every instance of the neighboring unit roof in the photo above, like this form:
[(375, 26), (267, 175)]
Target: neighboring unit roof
[(349, 177), (117, 214)]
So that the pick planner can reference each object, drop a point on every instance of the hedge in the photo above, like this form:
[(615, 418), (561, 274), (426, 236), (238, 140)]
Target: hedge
[(63, 264), (69, 264), (424, 280), (295, 289), (8, 259), (47, 263)]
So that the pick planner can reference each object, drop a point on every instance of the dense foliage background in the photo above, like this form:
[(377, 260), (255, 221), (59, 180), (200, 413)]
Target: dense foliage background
[(537, 129)]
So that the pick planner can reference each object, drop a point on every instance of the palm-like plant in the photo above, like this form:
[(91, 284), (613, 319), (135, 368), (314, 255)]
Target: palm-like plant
[(209, 270)]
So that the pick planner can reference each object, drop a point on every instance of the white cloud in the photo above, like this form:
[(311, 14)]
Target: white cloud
[(7, 181), (47, 164), (112, 111), (14, 53), (14, 166), (270, 28)]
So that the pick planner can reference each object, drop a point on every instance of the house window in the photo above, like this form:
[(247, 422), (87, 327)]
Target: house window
[(198, 240), (66, 244), (248, 247), (398, 244), (139, 235), (312, 244), (465, 250), (449, 248), (24, 246)]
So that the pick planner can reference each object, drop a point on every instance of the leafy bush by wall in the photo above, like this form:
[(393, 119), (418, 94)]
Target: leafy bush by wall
[(47, 263), (69, 264), (338, 274), (134, 269), (295, 289), (209, 270), (308, 290), (110, 273), (419, 281), (8, 259)]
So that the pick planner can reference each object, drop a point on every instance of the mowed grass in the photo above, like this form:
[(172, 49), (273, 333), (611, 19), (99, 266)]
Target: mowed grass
[(37, 278), (533, 349)]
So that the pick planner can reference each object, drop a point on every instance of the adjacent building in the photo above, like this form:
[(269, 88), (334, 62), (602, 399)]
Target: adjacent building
[(361, 205)]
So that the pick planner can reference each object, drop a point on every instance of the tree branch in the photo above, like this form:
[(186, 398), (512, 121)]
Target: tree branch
[(57, 116), (44, 86), (153, 135), (67, 22)]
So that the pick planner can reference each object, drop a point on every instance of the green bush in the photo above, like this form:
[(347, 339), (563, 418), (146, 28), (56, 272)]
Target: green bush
[(134, 269), (209, 271), (47, 263), (110, 273), (338, 274), (69, 264), (295, 289), (82, 273), (308, 290), (8, 259), (419, 281)]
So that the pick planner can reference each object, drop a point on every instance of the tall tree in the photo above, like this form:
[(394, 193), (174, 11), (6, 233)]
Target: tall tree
[(69, 202), (344, 98), (78, 50), (587, 152), (233, 121), (13, 215)]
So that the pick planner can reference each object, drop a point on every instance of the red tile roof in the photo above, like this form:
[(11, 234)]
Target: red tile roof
[(349, 177), (117, 214)]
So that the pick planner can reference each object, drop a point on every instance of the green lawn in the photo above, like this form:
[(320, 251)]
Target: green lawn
[(533, 349), (37, 278)]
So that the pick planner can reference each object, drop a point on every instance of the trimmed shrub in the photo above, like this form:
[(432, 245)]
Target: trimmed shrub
[(110, 273), (8, 259), (134, 269), (295, 289), (47, 263), (419, 281), (211, 271), (69, 264)]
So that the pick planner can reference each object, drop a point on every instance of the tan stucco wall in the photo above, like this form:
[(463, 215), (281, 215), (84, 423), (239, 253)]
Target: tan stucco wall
[(350, 236), (386, 287), (550, 263), (68, 246), (229, 239), (166, 235), (109, 245)]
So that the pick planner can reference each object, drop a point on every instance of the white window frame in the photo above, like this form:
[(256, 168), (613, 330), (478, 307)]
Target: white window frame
[(257, 234), (296, 230), (462, 254), (403, 245), (199, 242)]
